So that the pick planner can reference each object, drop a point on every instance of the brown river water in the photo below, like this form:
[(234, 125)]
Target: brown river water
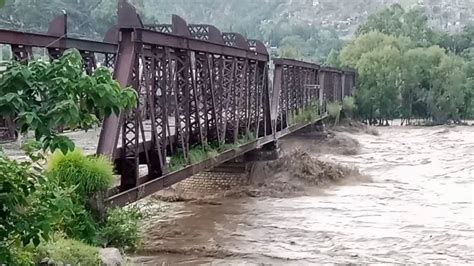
[(417, 209)]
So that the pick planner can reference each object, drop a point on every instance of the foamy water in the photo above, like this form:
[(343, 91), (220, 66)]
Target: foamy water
[(418, 209)]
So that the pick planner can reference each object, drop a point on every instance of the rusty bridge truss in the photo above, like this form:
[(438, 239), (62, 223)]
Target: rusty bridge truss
[(198, 89)]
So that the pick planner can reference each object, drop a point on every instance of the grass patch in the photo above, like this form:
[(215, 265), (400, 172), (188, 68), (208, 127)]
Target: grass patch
[(61, 251), (122, 228), (89, 174), (203, 152), (307, 114)]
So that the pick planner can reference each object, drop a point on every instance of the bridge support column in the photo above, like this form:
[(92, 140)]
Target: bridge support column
[(322, 88), (229, 175), (225, 177), (267, 152), (316, 129)]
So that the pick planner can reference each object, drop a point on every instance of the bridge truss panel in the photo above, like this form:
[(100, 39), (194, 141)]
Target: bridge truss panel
[(295, 88)]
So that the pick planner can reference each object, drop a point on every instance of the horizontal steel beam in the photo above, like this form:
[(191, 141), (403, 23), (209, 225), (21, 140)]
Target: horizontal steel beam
[(296, 63), (179, 42), (331, 69), (48, 41)]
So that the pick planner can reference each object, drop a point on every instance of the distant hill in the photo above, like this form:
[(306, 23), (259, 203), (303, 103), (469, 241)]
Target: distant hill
[(252, 16)]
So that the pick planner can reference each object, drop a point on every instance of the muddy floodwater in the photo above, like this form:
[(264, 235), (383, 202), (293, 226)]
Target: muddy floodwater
[(417, 209)]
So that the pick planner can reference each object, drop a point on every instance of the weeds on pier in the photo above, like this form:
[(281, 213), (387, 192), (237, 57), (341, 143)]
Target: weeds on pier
[(206, 151), (308, 114)]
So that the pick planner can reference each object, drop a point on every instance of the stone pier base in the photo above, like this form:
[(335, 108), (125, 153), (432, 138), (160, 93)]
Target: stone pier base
[(225, 177), (208, 183)]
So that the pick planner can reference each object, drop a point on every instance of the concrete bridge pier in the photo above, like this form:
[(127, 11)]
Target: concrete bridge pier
[(229, 175)]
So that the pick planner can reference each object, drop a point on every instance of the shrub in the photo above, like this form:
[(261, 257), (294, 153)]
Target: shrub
[(89, 177), (122, 228), (30, 207), (349, 106), (62, 251), (334, 110), (88, 174), (18, 227), (21, 256)]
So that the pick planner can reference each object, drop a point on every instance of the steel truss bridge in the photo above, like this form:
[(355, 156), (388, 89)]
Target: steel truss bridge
[(198, 87)]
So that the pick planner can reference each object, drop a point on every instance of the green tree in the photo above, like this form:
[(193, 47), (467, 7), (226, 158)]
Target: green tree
[(418, 75), (46, 96), (398, 22), (333, 59), (378, 59), (379, 71), (447, 97), (458, 43), (388, 21), (365, 43), (28, 216)]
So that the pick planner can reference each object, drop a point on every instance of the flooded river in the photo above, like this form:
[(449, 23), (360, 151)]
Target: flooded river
[(418, 209)]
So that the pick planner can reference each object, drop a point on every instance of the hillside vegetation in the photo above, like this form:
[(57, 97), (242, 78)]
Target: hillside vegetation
[(313, 27)]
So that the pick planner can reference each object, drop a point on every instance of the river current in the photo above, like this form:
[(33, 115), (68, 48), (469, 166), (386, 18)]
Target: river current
[(417, 209)]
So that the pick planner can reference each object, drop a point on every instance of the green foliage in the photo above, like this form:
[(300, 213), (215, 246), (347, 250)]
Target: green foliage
[(333, 59), (47, 96), (290, 52), (446, 97), (122, 228), (268, 21), (349, 106), (61, 251), (458, 43), (308, 114), (17, 227), (370, 42), (398, 22), (403, 73), (398, 79), (378, 59), (177, 162), (200, 153), (88, 177), (88, 174), (23, 255), (334, 110), (30, 208)]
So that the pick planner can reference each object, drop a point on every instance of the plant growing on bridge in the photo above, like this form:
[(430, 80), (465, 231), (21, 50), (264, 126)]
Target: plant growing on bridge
[(203, 152), (46, 96), (334, 111), (307, 114), (349, 106)]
